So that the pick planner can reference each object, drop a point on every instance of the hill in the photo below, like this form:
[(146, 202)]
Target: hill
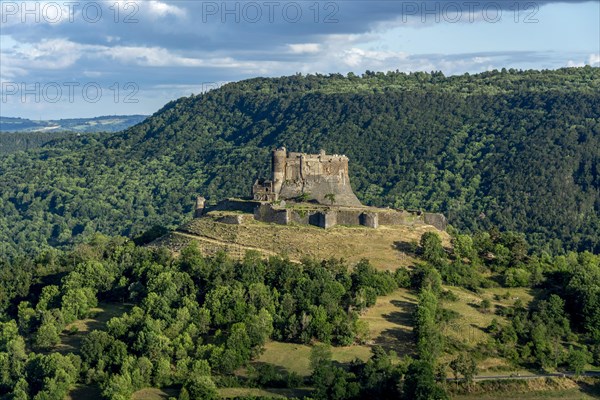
[(515, 149), (386, 247), (109, 123), (21, 134), (110, 319)]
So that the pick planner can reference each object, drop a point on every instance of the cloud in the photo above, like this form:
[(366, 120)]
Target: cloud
[(302, 48), (186, 44), (160, 9), (358, 58)]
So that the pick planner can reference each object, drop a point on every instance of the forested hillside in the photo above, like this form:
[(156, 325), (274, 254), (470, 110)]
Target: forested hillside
[(11, 142), (520, 150)]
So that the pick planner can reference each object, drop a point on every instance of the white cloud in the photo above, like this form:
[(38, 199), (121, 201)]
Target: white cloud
[(594, 60), (159, 9), (481, 60), (60, 54), (303, 48), (356, 57), (572, 63)]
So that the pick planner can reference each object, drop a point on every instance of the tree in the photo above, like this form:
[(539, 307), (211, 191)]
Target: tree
[(517, 277), (485, 305), (431, 248), (419, 383), (51, 376), (202, 388), (21, 390), (462, 246), (466, 366), (260, 329), (320, 354), (49, 298), (118, 387), (578, 359), (46, 336), (94, 348), (76, 303), (184, 394), (333, 382), (428, 337), (330, 197)]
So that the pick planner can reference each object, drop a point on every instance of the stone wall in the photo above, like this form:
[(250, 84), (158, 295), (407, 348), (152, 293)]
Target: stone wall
[(316, 175), (266, 213), (394, 217), (437, 220), (234, 219), (302, 217), (349, 217), (325, 217), (370, 220)]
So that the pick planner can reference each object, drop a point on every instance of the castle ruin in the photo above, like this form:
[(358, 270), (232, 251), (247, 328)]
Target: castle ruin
[(310, 189), (319, 177)]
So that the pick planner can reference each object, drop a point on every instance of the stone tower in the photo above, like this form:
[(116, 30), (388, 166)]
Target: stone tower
[(323, 178), (278, 167), (200, 204)]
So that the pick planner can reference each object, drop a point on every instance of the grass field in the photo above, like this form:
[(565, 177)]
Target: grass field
[(469, 329), (274, 393), (385, 247), (571, 394), (80, 392), (154, 394), (390, 321), (535, 389), (390, 326), (71, 342)]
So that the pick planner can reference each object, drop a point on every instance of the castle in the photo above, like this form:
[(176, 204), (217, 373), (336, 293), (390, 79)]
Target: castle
[(310, 189), (318, 177)]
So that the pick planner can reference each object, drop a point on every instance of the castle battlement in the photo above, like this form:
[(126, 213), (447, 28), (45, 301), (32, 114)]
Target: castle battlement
[(320, 177)]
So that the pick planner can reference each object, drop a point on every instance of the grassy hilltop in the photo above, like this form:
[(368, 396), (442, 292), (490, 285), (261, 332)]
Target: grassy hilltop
[(385, 247)]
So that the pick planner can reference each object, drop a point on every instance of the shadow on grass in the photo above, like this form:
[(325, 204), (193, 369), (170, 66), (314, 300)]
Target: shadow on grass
[(85, 392), (410, 248), (71, 342), (590, 386), (278, 383), (299, 393), (400, 338)]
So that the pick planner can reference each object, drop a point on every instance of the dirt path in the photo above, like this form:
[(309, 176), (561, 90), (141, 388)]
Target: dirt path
[(228, 244)]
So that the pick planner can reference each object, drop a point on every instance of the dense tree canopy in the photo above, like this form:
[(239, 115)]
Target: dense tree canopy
[(515, 149)]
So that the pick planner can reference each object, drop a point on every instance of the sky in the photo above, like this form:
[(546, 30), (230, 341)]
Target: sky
[(71, 59)]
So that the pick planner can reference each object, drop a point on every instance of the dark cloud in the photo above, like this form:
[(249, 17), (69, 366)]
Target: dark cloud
[(214, 25)]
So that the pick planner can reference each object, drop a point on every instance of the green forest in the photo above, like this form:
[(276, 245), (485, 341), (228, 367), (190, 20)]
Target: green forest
[(193, 324), (89, 310), (11, 142), (519, 150)]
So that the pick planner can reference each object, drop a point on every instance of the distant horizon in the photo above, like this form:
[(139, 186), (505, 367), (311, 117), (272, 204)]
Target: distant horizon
[(148, 114), (68, 118), (73, 60)]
